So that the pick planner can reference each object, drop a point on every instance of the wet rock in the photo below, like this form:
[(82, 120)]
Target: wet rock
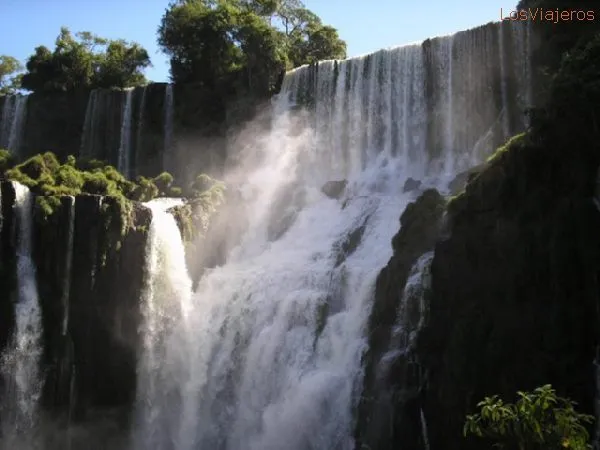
[(350, 243), (334, 189), (285, 210), (381, 422), (411, 185), (7, 261), (514, 286), (459, 182)]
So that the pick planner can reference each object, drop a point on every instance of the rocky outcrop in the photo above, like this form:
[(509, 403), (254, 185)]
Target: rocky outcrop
[(334, 188), (382, 422), (7, 262), (88, 290), (411, 184), (515, 292)]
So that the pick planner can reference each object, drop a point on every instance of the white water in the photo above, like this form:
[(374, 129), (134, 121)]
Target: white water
[(12, 125), (168, 115), (20, 361), (247, 366), (165, 299), (124, 154)]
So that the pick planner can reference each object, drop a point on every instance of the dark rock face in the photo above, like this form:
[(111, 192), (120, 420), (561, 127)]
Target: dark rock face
[(7, 261), (350, 243), (514, 288), (334, 189), (388, 412), (90, 364), (411, 184), (54, 123), (460, 181), (103, 312)]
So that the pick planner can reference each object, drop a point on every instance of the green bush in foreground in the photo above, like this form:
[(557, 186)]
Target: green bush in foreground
[(538, 420)]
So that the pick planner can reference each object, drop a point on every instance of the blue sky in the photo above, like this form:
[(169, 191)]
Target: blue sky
[(365, 25)]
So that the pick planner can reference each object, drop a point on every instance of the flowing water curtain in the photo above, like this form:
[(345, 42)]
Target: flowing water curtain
[(165, 305), (139, 141), (88, 133), (13, 121), (7, 118), (124, 153), (168, 163), (21, 359), (274, 337)]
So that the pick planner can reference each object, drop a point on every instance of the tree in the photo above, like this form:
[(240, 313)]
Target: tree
[(121, 65), (198, 37), (85, 61), (229, 43), (264, 53), (538, 420), (10, 80)]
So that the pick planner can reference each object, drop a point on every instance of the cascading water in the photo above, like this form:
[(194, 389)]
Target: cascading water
[(168, 115), (164, 301), (12, 126), (19, 363), (412, 311), (268, 354), (140, 131), (6, 124), (89, 126), (124, 155)]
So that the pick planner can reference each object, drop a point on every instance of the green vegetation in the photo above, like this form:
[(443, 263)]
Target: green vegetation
[(538, 420), (516, 141), (85, 61), (50, 179), (243, 44), (10, 79), (6, 160)]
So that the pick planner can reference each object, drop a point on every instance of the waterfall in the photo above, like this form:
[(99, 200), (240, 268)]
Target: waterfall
[(6, 124), (124, 155), (168, 117), (164, 301), (424, 429), (505, 122), (267, 352), (14, 114), (19, 364), (412, 312), (140, 132), (89, 126), (66, 289)]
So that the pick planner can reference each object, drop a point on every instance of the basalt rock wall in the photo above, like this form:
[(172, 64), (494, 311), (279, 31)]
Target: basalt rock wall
[(90, 271)]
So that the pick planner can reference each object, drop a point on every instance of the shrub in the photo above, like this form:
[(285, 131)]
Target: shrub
[(6, 160), (538, 420), (163, 181)]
